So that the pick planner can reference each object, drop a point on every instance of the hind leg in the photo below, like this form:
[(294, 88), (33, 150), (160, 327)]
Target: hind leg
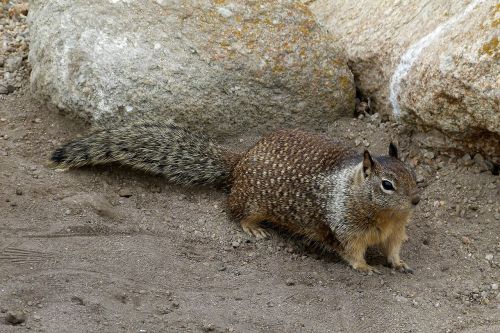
[(251, 226)]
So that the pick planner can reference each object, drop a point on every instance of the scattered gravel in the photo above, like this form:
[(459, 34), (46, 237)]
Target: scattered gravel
[(14, 39)]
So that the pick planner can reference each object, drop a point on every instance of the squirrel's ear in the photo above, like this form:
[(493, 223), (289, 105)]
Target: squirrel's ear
[(393, 150), (367, 163)]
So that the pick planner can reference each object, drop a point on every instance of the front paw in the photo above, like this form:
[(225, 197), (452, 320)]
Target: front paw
[(365, 268), (402, 267)]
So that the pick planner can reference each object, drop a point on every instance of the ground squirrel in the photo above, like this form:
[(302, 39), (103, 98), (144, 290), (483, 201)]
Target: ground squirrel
[(308, 184)]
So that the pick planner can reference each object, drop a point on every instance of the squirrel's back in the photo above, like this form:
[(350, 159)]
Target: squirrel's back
[(283, 175)]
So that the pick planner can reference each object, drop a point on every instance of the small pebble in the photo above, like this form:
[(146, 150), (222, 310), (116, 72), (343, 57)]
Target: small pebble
[(494, 286), (489, 257), (401, 299), (290, 282), (208, 328), (19, 191), (77, 300), (15, 317), (235, 244), (467, 160), (13, 63), (225, 12), (125, 192), (164, 310), (420, 178), (429, 155)]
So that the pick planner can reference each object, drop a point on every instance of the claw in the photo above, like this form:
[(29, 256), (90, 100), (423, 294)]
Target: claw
[(261, 233), (402, 267), (366, 269), (256, 232)]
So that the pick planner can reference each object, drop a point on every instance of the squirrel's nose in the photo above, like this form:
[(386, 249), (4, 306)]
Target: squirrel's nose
[(415, 200)]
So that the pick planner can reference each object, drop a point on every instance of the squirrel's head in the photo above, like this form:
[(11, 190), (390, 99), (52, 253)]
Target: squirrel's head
[(388, 181)]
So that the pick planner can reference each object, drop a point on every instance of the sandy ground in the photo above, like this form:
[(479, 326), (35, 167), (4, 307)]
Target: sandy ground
[(113, 250)]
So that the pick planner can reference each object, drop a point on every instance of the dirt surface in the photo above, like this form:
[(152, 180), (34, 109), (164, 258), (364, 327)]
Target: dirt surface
[(112, 250)]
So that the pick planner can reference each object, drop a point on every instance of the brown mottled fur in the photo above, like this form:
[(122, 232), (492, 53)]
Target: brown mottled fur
[(280, 178), (306, 183)]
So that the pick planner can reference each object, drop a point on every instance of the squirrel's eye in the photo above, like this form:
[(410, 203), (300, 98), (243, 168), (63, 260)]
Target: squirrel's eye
[(387, 185)]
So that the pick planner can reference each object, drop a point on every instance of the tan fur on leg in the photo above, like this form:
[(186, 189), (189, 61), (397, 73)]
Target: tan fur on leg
[(354, 254), (392, 246)]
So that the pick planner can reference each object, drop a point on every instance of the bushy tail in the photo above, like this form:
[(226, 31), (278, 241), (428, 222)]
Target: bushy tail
[(159, 147)]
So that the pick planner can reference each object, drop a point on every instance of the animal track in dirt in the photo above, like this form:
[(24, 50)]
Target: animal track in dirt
[(17, 255)]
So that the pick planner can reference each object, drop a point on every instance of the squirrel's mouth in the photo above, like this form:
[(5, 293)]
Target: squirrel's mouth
[(398, 214)]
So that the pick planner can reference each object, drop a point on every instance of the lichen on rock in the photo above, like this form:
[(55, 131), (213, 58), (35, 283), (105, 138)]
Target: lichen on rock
[(222, 66)]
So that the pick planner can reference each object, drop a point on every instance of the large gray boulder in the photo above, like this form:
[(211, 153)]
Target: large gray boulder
[(433, 64), (224, 66)]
